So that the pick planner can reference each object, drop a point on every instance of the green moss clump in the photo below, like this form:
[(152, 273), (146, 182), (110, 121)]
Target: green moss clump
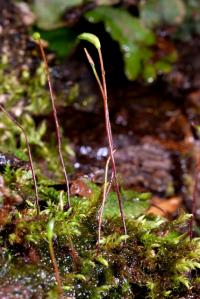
[(156, 259), (25, 96)]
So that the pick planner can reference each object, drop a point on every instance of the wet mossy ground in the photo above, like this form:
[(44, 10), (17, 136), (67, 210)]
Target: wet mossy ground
[(156, 259)]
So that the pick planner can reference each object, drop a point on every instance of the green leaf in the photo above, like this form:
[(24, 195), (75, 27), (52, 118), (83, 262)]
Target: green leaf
[(129, 32), (91, 38), (123, 238), (49, 12), (134, 206), (149, 73), (107, 2), (154, 12), (163, 67), (102, 261), (132, 62), (80, 277), (61, 40), (181, 279), (122, 26)]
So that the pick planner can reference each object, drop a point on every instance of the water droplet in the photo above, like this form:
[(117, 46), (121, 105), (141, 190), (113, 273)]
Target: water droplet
[(85, 150), (102, 153)]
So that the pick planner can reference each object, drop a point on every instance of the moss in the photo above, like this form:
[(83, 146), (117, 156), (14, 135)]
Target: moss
[(27, 98), (155, 260)]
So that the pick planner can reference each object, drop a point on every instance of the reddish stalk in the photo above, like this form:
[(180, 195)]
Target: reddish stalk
[(110, 141), (29, 155), (50, 234), (194, 197), (105, 194), (55, 267), (58, 135), (110, 184), (74, 254), (103, 89)]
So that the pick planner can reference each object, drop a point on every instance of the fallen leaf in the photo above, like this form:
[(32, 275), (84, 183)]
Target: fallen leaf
[(164, 207)]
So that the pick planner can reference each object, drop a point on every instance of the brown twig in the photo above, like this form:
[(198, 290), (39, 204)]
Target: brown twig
[(58, 135), (195, 191), (194, 197), (29, 155)]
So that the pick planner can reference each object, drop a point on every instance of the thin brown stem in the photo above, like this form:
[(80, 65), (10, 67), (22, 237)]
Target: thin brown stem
[(103, 73), (105, 194), (29, 156), (194, 197), (74, 254), (110, 141), (103, 89), (58, 135), (110, 184), (94, 71), (55, 267)]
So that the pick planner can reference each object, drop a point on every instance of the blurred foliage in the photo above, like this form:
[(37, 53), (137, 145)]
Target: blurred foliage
[(15, 89), (26, 97), (27, 92), (129, 32), (134, 34), (155, 12), (61, 40), (135, 40), (48, 12), (191, 24)]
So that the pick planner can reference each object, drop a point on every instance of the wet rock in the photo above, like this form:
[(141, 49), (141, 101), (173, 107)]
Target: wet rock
[(16, 291), (145, 166)]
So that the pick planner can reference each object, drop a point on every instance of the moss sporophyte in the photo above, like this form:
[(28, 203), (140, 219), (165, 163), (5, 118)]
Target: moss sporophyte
[(103, 89), (158, 259), (36, 37)]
